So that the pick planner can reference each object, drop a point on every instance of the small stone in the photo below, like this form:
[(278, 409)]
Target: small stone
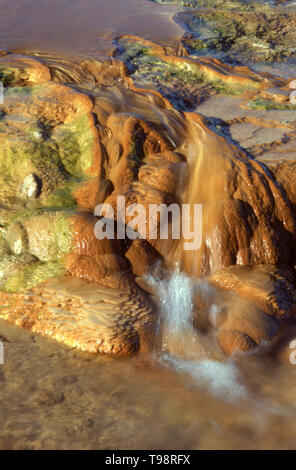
[(37, 135), (50, 398), (31, 187), (16, 239)]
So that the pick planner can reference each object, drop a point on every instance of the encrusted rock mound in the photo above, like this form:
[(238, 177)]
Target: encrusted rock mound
[(67, 148)]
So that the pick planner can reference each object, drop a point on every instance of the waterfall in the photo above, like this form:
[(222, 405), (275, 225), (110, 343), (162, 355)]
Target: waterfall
[(182, 347), (176, 307), (175, 297)]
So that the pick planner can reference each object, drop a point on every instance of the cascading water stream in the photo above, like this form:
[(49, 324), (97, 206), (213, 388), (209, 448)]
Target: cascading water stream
[(176, 307), (182, 346)]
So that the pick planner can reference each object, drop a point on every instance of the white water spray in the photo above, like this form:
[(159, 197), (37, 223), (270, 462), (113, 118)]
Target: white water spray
[(176, 304), (175, 298), (182, 345)]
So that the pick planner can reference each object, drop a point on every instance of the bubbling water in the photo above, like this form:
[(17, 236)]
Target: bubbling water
[(183, 347), (175, 296), (176, 305)]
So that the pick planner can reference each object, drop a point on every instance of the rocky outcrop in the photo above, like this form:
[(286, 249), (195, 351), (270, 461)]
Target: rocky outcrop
[(66, 149), (245, 31), (251, 305)]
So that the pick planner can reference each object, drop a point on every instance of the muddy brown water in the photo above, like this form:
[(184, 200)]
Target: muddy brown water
[(55, 398), (82, 27)]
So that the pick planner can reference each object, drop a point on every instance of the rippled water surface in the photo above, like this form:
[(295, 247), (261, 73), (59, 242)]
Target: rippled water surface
[(53, 398), (82, 27)]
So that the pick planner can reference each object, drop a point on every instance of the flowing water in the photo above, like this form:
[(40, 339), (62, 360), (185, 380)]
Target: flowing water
[(185, 394)]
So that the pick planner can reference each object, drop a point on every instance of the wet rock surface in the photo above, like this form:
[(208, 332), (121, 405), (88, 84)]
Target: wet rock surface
[(69, 161), (76, 134)]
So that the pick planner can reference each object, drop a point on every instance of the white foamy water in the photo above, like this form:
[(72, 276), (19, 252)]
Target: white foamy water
[(175, 300), (181, 344), (176, 305), (222, 378)]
